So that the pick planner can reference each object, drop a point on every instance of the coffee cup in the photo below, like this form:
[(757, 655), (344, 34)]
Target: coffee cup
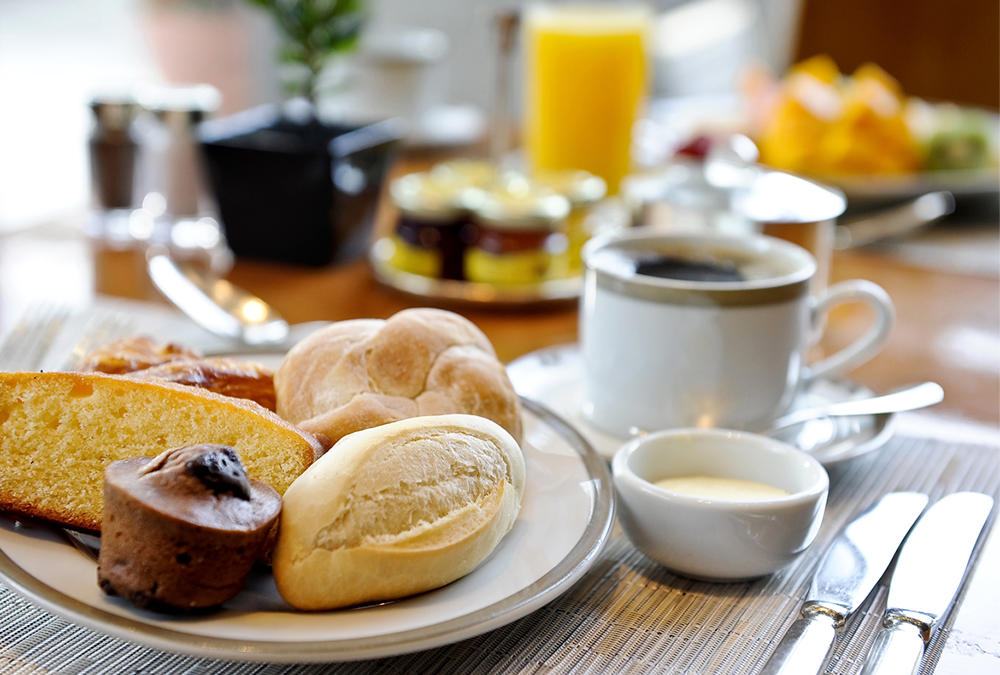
[(707, 331)]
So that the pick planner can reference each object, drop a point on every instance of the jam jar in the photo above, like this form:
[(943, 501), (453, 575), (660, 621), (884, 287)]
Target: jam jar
[(433, 228), (583, 190), (520, 232)]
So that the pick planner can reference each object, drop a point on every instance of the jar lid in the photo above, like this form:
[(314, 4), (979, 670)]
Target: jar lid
[(465, 172), (429, 196), (514, 202), (579, 187)]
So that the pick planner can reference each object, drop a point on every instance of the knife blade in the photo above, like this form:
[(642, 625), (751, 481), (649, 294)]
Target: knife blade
[(215, 304), (928, 574), (850, 568)]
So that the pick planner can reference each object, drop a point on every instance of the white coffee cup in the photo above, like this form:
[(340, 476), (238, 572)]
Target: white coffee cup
[(662, 353)]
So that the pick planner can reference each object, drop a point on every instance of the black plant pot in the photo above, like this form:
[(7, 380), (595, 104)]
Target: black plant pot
[(298, 192)]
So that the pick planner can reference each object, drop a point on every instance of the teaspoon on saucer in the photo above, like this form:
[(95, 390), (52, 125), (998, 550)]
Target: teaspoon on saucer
[(911, 398)]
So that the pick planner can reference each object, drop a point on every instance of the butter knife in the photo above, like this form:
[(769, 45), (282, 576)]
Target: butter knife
[(850, 568), (217, 305), (927, 577)]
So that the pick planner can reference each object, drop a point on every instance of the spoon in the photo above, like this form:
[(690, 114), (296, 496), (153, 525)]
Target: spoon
[(894, 222), (911, 398), (217, 305)]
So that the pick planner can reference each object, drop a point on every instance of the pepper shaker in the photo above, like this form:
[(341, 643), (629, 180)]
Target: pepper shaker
[(174, 169), (118, 247), (113, 151)]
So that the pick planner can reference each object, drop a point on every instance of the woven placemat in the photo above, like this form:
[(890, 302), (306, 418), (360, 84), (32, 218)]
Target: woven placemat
[(627, 615)]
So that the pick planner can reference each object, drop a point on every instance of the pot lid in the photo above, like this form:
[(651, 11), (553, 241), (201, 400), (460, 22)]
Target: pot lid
[(777, 197)]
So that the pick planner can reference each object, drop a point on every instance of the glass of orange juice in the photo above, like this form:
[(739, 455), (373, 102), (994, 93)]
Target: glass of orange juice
[(585, 82)]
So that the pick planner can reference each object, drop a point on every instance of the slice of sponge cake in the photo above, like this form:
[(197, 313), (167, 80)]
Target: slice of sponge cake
[(58, 431)]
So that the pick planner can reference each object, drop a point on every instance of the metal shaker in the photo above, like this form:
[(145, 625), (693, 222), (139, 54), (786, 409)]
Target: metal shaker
[(113, 152)]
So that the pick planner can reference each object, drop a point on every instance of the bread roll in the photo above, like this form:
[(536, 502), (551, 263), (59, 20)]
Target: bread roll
[(357, 374), (58, 432), (141, 357), (223, 375), (131, 354), (397, 510)]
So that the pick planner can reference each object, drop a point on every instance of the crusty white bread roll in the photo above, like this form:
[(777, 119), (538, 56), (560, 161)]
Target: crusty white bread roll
[(397, 510), (357, 374)]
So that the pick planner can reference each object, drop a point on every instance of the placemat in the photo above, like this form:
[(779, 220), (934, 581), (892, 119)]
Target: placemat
[(627, 615)]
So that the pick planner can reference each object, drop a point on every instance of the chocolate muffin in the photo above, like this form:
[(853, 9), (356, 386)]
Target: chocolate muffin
[(182, 530)]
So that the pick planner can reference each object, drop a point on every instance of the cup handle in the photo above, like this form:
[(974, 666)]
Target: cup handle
[(866, 346)]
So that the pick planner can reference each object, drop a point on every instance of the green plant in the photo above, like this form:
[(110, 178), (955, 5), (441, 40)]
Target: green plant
[(315, 30)]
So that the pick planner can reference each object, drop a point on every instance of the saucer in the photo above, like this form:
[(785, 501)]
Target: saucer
[(554, 377)]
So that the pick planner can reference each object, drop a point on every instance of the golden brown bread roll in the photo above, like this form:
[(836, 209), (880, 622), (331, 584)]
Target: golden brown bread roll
[(357, 374), (223, 375), (58, 431), (131, 354), (396, 510), (141, 357)]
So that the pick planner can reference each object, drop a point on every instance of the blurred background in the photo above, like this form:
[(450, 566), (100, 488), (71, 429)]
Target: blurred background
[(435, 63), (438, 55)]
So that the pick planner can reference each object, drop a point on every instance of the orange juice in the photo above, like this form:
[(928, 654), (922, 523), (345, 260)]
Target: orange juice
[(585, 81)]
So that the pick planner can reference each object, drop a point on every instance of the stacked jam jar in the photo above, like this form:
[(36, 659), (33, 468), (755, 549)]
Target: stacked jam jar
[(465, 221)]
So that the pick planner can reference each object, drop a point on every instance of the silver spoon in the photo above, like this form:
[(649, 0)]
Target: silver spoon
[(217, 305), (911, 398), (894, 222)]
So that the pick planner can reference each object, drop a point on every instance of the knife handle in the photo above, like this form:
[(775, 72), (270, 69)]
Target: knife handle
[(897, 650), (805, 647)]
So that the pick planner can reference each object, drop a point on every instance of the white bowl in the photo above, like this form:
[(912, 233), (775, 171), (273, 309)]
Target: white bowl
[(719, 539)]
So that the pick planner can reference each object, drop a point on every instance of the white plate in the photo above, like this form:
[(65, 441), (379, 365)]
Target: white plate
[(554, 377), (565, 519)]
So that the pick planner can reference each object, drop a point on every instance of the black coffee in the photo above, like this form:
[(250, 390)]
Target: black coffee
[(685, 269)]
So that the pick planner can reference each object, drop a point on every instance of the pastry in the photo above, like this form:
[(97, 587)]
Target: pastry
[(130, 354), (181, 531), (396, 510), (226, 376), (141, 357), (58, 431), (357, 374)]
